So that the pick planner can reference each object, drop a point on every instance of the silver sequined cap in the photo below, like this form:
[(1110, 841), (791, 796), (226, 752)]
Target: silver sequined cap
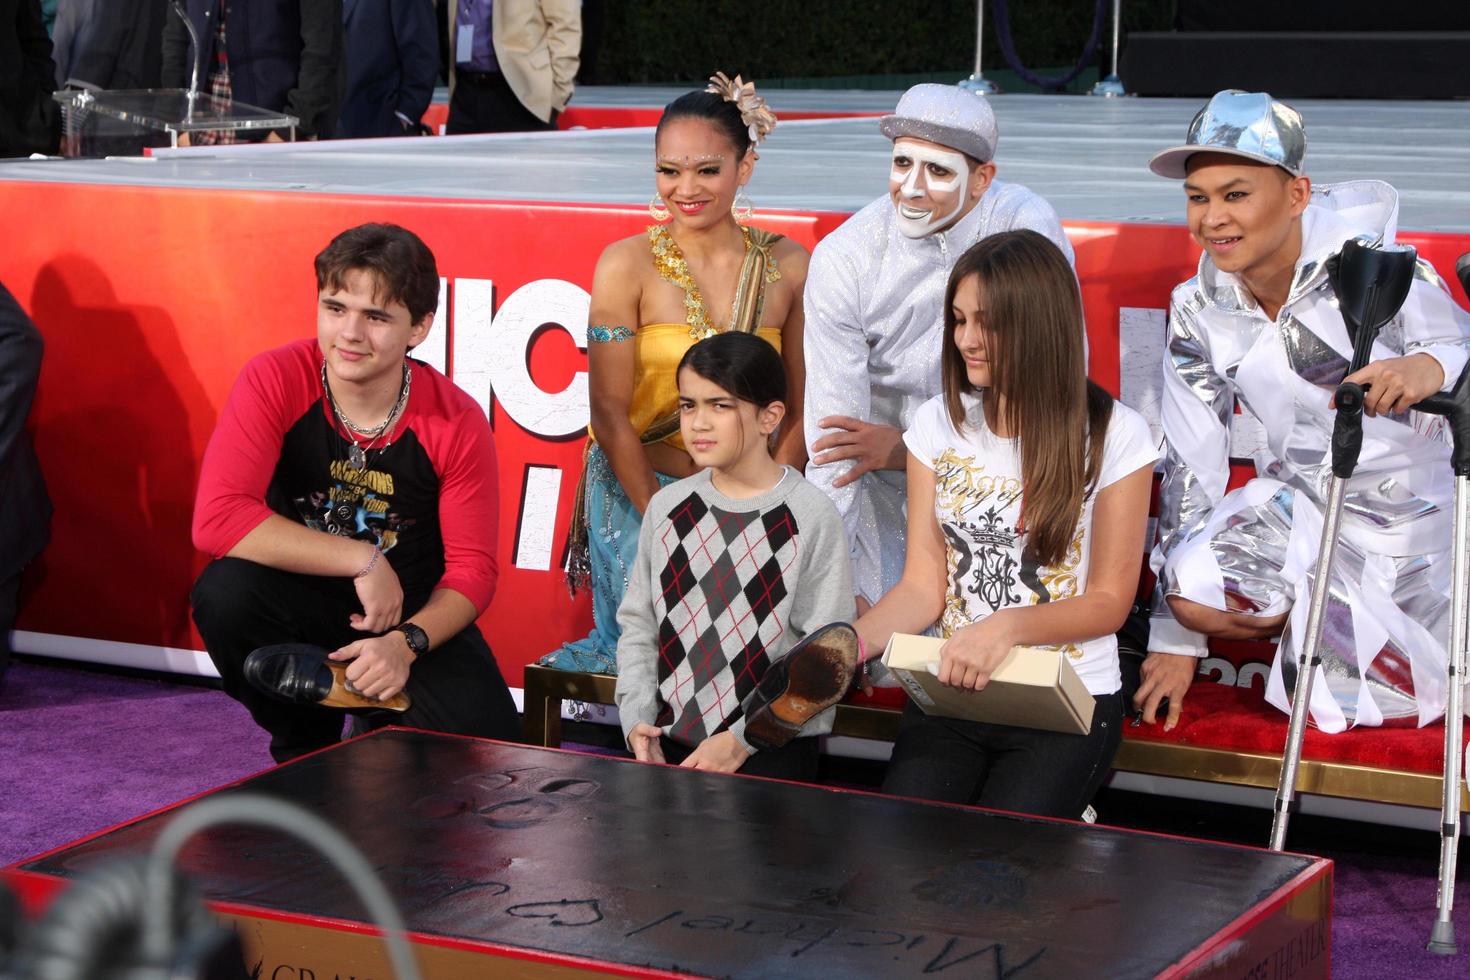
[(947, 115), (1242, 124)]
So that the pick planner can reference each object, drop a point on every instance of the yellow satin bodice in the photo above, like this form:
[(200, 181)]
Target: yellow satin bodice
[(660, 347)]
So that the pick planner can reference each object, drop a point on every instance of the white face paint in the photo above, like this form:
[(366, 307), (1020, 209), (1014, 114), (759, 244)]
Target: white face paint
[(928, 186)]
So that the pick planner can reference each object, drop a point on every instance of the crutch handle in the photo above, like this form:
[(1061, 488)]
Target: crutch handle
[(1454, 405), (1347, 429), (1370, 282)]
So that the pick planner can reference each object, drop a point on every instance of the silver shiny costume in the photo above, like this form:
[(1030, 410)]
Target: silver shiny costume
[(872, 343), (1254, 549)]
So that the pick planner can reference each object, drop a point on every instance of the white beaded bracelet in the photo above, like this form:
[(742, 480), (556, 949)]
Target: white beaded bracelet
[(372, 563)]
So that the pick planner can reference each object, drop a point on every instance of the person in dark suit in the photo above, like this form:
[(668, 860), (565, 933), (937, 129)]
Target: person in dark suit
[(391, 64), (28, 116), (25, 509), (109, 44), (283, 55)]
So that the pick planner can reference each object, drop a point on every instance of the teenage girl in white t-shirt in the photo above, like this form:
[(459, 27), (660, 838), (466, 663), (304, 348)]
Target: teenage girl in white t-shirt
[(1028, 492)]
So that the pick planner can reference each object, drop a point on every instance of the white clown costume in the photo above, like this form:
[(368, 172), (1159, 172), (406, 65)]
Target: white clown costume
[(875, 320)]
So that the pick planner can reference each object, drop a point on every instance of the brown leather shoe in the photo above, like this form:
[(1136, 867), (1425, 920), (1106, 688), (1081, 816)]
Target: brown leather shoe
[(814, 675), (300, 673)]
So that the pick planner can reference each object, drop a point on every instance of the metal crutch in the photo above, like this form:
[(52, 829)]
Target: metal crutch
[(1371, 284), (1454, 405)]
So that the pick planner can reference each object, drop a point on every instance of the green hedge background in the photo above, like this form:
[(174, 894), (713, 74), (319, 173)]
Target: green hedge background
[(838, 43)]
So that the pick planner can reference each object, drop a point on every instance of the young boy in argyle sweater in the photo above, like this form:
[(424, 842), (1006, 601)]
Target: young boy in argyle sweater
[(735, 566)]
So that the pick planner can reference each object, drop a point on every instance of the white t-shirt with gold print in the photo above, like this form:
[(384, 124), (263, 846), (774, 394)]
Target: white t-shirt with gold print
[(977, 500)]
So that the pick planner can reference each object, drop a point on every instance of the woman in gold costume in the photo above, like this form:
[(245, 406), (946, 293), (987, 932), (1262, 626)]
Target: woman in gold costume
[(697, 272)]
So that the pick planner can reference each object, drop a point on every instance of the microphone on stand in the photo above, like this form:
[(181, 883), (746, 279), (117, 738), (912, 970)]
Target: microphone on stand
[(193, 92)]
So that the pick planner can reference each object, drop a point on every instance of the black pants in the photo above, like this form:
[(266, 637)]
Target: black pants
[(796, 760), (1023, 770), (484, 103), (240, 605)]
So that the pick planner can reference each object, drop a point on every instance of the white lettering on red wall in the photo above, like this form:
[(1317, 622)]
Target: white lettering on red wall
[(492, 361)]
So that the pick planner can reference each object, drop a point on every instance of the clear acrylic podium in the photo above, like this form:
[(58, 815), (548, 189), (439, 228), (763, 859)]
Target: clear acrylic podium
[(125, 122)]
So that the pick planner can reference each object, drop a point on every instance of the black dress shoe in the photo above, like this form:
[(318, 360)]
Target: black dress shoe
[(814, 675), (300, 673)]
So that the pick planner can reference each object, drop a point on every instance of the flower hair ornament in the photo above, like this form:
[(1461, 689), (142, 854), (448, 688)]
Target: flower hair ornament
[(758, 118)]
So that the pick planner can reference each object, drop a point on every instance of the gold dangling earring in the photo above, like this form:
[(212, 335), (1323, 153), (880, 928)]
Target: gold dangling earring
[(739, 211), (657, 209)]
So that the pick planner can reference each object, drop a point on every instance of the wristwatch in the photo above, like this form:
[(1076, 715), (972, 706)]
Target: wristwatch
[(418, 640)]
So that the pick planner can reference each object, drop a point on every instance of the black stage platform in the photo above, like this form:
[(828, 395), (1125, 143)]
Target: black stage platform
[(516, 861), (1318, 49)]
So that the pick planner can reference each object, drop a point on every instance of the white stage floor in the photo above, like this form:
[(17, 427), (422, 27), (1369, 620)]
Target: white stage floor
[(1087, 156)]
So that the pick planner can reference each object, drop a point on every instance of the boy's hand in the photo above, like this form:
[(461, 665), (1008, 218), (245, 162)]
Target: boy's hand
[(380, 665), (721, 752), (644, 741)]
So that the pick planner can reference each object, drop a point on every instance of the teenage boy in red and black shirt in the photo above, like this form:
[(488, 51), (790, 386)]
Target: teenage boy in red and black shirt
[(349, 498)]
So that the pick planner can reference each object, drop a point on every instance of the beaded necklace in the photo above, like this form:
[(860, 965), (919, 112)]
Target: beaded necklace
[(357, 455), (668, 258)]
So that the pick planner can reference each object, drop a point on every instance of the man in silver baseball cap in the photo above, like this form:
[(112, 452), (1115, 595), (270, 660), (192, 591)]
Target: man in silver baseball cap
[(1249, 125), (1259, 326), (874, 317)]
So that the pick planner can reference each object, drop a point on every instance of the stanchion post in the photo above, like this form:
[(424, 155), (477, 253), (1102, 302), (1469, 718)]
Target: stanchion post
[(1112, 86), (977, 82)]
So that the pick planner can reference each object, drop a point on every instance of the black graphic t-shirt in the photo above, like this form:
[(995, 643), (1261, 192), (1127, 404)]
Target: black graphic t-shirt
[(428, 500)]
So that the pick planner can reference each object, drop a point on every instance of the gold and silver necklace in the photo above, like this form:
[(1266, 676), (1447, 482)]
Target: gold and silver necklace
[(672, 267), (357, 455)]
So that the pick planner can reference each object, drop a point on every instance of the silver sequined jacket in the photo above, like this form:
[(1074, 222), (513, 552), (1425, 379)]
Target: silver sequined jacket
[(874, 330), (1222, 351)]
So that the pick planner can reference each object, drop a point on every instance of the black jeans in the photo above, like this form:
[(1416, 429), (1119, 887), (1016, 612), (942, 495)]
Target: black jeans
[(484, 103), (1023, 770), (796, 760), (240, 605)]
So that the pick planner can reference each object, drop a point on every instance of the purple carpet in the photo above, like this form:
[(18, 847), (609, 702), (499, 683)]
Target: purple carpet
[(85, 750)]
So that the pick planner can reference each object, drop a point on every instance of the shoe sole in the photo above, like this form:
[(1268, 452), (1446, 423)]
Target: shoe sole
[(343, 696), (820, 676)]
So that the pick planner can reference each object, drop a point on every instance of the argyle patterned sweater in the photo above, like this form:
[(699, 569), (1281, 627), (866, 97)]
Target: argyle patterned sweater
[(721, 588)]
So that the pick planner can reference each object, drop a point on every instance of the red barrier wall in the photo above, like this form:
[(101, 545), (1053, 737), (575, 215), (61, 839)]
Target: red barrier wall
[(151, 301)]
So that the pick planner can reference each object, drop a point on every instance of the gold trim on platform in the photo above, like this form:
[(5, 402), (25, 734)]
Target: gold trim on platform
[(297, 950), (1341, 779)]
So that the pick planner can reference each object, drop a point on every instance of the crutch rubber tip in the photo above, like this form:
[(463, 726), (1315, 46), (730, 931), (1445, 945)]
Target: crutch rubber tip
[(1442, 939)]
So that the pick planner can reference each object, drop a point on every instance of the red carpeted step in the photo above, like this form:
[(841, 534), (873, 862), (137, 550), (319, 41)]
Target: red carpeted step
[(882, 697), (1222, 716), (1237, 719)]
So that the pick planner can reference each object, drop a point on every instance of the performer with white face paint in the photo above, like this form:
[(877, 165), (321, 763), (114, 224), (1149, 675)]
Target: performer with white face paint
[(874, 317), (931, 186)]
